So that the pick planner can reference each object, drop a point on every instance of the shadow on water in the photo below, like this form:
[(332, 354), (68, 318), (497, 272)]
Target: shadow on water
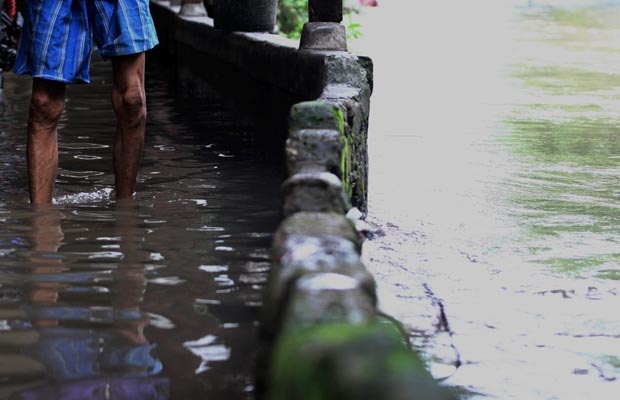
[(155, 298)]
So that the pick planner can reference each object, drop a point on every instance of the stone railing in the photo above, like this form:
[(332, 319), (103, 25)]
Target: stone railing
[(322, 335)]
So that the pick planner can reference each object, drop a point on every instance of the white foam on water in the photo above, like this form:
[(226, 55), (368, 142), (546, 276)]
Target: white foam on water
[(100, 195)]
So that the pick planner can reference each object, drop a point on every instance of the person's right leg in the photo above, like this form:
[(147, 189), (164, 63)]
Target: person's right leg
[(129, 102), (123, 31), (46, 106)]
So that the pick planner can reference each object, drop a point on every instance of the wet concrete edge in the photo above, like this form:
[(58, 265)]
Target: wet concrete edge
[(320, 309)]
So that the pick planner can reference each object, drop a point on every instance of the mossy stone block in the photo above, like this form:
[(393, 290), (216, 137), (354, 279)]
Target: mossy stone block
[(350, 362), (301, 256), (314, 191), (314, 149), (316, 114), (323, 298), (315, 224)]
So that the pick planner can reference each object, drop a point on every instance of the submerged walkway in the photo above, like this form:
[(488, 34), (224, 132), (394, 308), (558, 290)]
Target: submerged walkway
[(493, 199), (154, 300)]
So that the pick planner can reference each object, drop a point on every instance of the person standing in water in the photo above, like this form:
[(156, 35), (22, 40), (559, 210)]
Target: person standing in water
[(55, 49)]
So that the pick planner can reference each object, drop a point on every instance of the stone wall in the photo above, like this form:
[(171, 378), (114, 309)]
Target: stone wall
[(266, 74), (321, 334)]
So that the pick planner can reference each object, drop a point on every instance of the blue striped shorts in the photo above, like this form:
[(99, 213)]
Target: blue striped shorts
[(58, 35)]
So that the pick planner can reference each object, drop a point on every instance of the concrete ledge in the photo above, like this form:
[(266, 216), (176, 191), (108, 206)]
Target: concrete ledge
[(314, 150), (314, 191), (321, 333), (335, 361), (316, 115), (265, 75), (315, 224), (298, 256)]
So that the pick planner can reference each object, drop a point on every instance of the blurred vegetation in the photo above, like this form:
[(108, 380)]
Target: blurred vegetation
[(293, 14)]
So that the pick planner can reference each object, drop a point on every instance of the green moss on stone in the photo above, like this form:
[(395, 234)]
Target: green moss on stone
[(345, 166), (316, 115), (338, 116), (341, 361)]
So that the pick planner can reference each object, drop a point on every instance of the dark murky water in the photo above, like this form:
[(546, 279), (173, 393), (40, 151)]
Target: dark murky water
[(150, 300)]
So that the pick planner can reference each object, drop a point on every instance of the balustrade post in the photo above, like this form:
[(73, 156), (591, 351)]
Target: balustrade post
[(192, 8), (324, 30), (325, 10), (245, 15)]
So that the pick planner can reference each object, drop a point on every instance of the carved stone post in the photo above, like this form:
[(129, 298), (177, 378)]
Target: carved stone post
[(193, 8), (324, 31), (325, 10), (245, 15)]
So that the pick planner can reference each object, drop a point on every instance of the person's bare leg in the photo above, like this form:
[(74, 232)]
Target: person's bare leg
[(129, 101), (46, 106)]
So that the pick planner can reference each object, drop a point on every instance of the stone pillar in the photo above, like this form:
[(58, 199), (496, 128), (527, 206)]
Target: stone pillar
[(325, 10), (192, 8), (245, 15), (324, 31)]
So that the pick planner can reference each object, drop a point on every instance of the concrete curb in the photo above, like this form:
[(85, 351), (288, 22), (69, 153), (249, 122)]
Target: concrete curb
[(266, 75), (321, 334)]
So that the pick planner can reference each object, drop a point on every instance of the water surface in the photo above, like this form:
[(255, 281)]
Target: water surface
[(151, 299), (494, 184)]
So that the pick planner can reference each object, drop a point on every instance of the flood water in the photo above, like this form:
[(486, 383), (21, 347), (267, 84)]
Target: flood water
[(156, 299), (495, 189)]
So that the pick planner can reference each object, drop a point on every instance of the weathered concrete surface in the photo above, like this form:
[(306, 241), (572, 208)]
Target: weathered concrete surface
[(323, 36), (311, 243), (319, 152), (316, 224), (322, 336), (314, 191), (314, 149), (328, 297), (367, 360)]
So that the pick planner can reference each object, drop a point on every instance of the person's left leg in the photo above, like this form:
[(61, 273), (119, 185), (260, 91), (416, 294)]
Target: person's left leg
[(47, 104), (129, 102)]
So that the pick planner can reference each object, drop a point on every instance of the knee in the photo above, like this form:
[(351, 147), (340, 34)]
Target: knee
[(45, 107), (130, 104)]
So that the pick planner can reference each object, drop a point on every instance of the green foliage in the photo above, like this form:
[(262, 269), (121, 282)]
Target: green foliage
[(353, 28), (293, 14)]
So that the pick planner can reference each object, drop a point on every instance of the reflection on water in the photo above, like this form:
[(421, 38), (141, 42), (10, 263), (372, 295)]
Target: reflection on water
[(149, 299), (565, 129), (494, 165)]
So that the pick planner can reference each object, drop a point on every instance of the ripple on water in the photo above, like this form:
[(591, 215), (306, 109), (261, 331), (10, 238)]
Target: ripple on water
[(149, 285)]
